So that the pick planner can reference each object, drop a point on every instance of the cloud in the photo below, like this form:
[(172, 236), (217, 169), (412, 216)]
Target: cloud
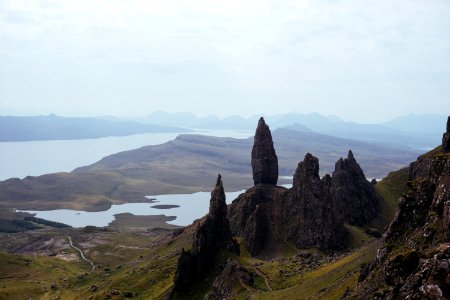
[(293, 55)]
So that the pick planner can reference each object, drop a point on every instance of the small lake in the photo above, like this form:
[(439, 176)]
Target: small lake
[(191, 207), (21, 159)]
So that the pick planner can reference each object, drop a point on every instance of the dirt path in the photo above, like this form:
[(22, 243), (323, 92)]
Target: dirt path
[(81, 253), (266, 281)]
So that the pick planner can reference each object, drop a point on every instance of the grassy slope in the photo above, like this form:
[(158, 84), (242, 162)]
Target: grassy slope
[(389, 191), (138, 263), (24, 277)]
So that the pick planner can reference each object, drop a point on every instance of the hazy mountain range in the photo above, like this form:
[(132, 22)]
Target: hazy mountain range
[(416, 131), (412, 131), (54, 127)]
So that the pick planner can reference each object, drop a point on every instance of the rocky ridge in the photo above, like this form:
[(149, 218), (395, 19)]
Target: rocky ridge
[(414, 260)]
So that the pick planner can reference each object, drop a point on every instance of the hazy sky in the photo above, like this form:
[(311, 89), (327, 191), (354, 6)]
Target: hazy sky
[(361, 60)]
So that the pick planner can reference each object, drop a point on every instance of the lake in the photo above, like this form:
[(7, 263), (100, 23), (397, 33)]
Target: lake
[(191, 207), (21, 159)]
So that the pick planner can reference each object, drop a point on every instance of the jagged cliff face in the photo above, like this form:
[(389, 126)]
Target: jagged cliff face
[(446, 137), (413, 262), (309, 203), (212, 235), (264, 158), (353, 196)]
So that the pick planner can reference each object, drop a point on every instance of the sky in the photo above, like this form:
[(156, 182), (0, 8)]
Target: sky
[(362, 60)]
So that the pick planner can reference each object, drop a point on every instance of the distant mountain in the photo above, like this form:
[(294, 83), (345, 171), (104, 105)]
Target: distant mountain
[(423, 123), (53, 127), (379, 134), (190, 120)]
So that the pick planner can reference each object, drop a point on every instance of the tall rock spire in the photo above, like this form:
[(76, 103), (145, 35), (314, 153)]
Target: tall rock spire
[(446, 137), (264, 158), (211, 236)]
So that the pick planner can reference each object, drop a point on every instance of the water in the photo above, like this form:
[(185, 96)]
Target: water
[(192, 207), (20, 159)]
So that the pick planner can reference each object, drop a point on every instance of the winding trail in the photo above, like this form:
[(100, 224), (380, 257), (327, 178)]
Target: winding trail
[(82, 254), (266, 281)]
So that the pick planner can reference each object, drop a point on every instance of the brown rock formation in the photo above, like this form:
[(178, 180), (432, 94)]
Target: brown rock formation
[(264, 158), (353, 196), (446, 137), (255, 214), (265, 216), (308, 215), (211, 236)]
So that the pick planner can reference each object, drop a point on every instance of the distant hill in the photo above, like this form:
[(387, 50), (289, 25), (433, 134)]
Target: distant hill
[(423, 123), (187, 164), (53, 127)]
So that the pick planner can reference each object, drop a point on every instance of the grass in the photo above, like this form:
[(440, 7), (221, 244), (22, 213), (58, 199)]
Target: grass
[(389, 191), (356, 237), (24, 277), (329, 281)]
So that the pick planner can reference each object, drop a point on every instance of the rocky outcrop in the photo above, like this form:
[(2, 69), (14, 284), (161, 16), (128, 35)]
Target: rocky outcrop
[(256, 214), (353, 196), (232, 277), (446, 137), (311, 213), (212, 235), (413, 262), (303, 215), (309, 217), (264, 158)]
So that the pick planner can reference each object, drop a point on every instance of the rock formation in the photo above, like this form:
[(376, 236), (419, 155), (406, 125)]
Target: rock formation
[(254, 215), (264, 158), (303, 215), (414, 261), (311, 213), (353, 196), (308, 215), (212, 235), (446, 137)]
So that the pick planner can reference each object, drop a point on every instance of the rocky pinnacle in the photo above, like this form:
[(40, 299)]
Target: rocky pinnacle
[(264, 158)]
